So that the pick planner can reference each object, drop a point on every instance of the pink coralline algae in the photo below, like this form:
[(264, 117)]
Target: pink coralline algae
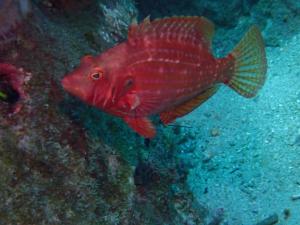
[(12, 82), (12, 12)]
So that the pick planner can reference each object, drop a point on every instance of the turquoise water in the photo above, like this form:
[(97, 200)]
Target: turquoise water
[(232, 161)]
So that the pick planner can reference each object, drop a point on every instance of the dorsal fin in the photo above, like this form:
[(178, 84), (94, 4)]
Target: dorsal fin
[(187, 107), (134, 27), (198, 27)]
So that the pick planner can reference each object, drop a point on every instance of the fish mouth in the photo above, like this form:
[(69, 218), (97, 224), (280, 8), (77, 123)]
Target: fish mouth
[(73, 88), (66, 83)]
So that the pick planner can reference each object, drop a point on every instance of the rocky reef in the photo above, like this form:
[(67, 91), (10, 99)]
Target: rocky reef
[(63, 162), (12, 14)]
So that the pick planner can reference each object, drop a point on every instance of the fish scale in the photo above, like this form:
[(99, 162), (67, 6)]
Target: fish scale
[(166, 67)]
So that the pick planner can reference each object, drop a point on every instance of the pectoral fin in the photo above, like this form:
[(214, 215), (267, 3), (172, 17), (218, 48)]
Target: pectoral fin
[(143, 126), (181, 110)]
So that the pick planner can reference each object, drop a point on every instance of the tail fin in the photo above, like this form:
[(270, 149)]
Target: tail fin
[(250, 65)]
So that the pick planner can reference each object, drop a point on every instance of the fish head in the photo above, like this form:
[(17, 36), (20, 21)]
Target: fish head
[(84, 80), (98, 80)]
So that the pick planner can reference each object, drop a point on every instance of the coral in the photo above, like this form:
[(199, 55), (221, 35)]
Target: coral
[(116, 17), (12, 83), (12, 12)]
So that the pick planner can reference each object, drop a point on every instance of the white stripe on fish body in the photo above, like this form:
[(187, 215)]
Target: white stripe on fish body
[(153, 53), (165, 60), (171, 68), (167, 70), (153, 87)]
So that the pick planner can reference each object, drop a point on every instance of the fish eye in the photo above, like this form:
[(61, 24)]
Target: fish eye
[(96, 75), (129, 83)]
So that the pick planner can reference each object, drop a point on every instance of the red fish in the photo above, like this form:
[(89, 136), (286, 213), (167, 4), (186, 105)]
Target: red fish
[(166, 67)]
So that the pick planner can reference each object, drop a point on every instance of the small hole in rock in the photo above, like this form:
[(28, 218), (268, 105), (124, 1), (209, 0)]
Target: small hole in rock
[(7, 93)]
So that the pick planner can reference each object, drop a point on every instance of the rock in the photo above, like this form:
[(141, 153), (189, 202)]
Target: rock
[(218, 217), (215, 132), (207, 156), (297, 141), (293, 5), (271, 220), (286, 213), (295, 197), (53, 159), (223, 13), (118, 15)]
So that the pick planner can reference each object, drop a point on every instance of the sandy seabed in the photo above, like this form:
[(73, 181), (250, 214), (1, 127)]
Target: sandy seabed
[(248, 156)]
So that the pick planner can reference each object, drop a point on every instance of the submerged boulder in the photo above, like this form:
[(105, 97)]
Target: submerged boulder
[(63, 162)]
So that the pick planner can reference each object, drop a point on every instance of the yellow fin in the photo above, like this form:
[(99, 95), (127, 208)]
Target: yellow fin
[(250, 64), (187, 107)]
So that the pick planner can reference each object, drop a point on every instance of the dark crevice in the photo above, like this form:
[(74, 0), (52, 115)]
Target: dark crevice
[(7, 93)]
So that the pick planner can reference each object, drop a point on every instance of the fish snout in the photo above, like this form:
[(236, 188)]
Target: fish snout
[(67, 84), (74, 86)]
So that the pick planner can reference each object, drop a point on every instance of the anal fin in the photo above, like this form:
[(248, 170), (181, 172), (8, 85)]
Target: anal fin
[(142, 125), (185, 108)]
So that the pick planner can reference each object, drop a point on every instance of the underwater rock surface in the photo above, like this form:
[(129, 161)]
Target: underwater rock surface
[(12, 14), (223, 13), (63, 162)]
